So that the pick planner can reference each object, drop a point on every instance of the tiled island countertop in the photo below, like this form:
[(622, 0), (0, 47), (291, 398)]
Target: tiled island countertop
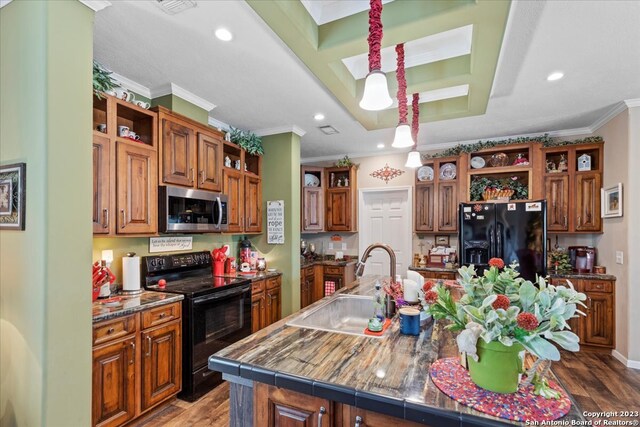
[(389, 375), (121, 305)]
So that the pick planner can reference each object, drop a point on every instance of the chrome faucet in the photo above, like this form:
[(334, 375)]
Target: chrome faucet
[(390, 307)]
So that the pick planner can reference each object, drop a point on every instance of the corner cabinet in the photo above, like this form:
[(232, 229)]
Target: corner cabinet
[(125, 177), (242, 184), (137, 363), (312, 209), (341, 212), (573, 195), (437, 196)]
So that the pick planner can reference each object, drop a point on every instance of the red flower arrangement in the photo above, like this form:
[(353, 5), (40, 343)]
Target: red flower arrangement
[(502, 301), (430, 297), (428, 285), (527, 321), (496, 262)]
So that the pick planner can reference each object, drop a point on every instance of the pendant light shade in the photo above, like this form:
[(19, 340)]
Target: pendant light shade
[(375, 96), (403, 136), (413, 160)]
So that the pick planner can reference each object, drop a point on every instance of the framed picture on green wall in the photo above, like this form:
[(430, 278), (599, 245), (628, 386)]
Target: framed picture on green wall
[(12, 196)]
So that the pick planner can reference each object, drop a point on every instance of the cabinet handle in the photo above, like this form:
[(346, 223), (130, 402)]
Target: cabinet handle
[(122, 214), (358, 421), (148, 353), (110, 330), (133, 352), (321, 413), (105, 218), (162, 315), (579, 222), (565, 221), (201, 176), (191, 174), (588, 303)]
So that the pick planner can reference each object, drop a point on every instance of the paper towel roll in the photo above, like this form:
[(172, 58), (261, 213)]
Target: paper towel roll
[(131, 273)]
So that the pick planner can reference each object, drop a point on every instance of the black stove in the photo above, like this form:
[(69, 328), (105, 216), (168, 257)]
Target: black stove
[(216, 312)]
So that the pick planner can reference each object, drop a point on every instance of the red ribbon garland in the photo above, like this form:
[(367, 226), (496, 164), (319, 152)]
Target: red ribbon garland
[(402, 85), (375, 34), (415, 118)]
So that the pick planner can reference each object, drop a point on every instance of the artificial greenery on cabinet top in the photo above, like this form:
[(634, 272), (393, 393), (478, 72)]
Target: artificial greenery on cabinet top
[(102, 80), (248, 141)]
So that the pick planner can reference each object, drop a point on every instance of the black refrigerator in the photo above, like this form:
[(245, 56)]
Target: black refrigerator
[(513, 231)]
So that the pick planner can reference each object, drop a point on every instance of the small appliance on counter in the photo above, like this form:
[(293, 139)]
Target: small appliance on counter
[(583, 258)]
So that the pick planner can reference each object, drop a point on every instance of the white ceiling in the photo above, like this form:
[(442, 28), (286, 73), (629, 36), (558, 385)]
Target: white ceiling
[(257, 83)]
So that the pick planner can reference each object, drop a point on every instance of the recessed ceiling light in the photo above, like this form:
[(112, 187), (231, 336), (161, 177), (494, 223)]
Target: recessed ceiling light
[(319, 116), (224, 34), (381, 145), (557, 75)]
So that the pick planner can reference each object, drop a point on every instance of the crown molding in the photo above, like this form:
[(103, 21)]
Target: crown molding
[(281, 129), (3, 3), (96, 5), (617, 109), (218, 124), (632, 102), (174, 89), (131, 85)]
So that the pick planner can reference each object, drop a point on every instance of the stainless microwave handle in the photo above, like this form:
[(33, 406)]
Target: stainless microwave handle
[(219, 212), (230, 293)]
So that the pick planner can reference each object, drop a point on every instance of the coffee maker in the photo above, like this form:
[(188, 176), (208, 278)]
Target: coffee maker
[(583, 258)]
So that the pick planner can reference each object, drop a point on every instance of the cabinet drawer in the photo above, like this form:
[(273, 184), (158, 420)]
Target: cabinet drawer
[(257, 287), (160, 315), (446, 276), (274, 282), (307, 271), (332, 270), (110, 330), (598, 286)]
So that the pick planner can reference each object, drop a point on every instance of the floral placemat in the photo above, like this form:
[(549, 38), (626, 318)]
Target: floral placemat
[(454, 381)]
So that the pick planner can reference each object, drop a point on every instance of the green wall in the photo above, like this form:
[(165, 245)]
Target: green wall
[(45, 120), (281, 181), (183, 107)]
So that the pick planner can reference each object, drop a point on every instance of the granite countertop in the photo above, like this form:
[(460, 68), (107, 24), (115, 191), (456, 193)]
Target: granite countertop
[(435, 269), (592, 276), (389, 375), (125, 305), (256, 275)]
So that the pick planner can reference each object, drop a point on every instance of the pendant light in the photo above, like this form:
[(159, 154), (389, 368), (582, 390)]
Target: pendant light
[(375, 96), (413, 159), (402, 137)]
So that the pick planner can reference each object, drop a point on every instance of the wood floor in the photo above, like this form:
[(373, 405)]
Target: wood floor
[(597, 381)]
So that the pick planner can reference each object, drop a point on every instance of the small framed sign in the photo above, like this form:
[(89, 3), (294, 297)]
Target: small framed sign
[(611, 201), (170, 244), (12, 196), (442, 240), (275, 222)]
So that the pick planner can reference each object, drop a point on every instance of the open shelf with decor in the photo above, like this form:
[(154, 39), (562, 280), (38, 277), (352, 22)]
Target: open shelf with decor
[(514, 185), (100, 116), (252, 164), (510, 156), (234, 154), (138, 120)]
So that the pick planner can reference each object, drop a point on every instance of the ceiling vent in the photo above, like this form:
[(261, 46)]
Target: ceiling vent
[(172, 7), (328, 130)]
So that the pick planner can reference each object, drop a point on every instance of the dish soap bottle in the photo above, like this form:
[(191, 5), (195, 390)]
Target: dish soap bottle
[(378, 302)]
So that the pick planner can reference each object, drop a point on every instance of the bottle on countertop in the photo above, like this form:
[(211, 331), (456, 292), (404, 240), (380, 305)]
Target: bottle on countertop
[(378, 302)]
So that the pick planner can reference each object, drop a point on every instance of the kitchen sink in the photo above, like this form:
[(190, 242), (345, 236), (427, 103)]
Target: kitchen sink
[(345, 314)]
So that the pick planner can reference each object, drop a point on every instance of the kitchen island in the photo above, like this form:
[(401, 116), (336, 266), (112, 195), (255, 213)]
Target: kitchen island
[(307, 374)]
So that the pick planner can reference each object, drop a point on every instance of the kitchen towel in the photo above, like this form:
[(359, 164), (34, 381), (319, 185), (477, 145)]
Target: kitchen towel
[(131, 273)]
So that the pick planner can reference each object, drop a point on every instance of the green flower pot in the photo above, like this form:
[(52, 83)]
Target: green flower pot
[(498, 366)]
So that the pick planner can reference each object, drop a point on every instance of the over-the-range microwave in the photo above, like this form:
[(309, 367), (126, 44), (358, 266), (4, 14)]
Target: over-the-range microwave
[(185, 210)]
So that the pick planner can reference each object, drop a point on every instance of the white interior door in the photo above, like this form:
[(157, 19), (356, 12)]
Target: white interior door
[(385, 217)]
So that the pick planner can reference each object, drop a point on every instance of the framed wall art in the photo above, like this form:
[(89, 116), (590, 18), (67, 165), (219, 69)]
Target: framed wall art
[(12, 196), (611, 199), (442, 240)]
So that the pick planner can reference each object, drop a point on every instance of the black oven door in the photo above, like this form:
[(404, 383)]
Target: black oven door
[(220, 319)]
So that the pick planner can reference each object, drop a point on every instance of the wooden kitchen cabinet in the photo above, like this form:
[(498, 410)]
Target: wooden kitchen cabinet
[(253, 204), (161, 363), (278, 407), (136, 368), (114, 381), (573, 196), (352, 416), (557, 195), (436, 199), (101, 184), (597, 330), (190, 153), (233, 187), (307, 281), (339, 275), (313, 207), (341, 210), (266, 302), (438, 275), (137, 189), (125, 178)]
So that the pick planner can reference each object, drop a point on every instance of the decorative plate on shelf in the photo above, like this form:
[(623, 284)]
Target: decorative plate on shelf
[(311, 180), (425, 173), (477, 162), (448, 171)]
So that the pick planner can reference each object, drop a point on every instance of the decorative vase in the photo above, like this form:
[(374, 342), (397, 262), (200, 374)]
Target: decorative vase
[(498, 367), (498, 160)]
